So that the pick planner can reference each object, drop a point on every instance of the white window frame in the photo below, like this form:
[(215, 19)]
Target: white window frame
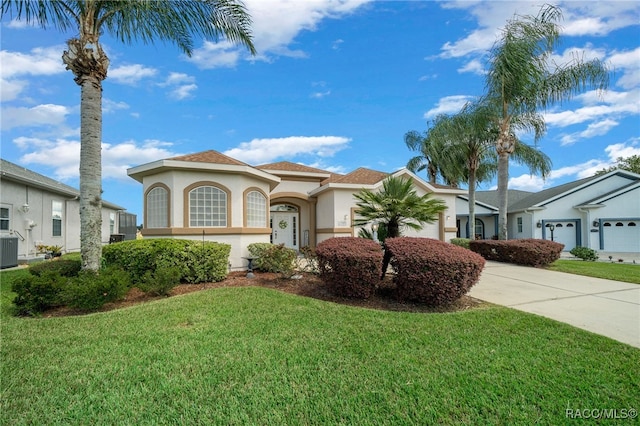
[(157, 208), (56, 216), (207, 207), (256, 210)]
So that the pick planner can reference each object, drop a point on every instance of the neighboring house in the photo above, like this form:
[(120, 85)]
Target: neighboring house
[(41, 211), (211, 196), (600, 212)]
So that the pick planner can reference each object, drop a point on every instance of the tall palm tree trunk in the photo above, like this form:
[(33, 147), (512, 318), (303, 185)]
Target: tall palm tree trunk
[(91, 173), (472, 203), (503, 182), (88, 62)]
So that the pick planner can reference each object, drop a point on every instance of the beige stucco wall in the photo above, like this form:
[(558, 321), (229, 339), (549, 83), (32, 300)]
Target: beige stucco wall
[(36, 226)]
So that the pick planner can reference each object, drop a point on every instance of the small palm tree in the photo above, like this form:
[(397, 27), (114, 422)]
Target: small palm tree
[(397, 206), (521, 81), (175, 21)]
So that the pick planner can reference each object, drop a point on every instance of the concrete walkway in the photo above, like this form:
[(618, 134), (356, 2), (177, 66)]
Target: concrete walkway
[(606, 307)]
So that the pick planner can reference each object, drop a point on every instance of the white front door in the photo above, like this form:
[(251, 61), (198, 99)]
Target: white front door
[(284, 229)]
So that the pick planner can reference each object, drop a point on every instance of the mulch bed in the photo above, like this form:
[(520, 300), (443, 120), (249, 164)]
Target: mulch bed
[(307, 285)]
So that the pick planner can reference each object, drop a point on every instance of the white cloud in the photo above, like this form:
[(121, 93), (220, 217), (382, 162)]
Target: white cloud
[(181, 85), (130, 74), (597, 128), (39, 61), (276, 24), (10, 89), (475, 66), (40, 115), (320, 95), (183, 92), (448, 105), (109, 106), (526, 183), (260, 151), (628, 63), (116, 158)]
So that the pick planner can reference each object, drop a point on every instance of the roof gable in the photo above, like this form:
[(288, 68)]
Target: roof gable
[(361, 176), (14, 172), (210, 156), (287, 166)]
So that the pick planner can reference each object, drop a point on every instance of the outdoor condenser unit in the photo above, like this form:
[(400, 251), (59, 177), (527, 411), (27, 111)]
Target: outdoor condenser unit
[(8, 252)]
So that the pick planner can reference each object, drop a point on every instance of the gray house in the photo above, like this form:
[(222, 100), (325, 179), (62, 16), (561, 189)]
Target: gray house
[(37, 210), (600, 212)]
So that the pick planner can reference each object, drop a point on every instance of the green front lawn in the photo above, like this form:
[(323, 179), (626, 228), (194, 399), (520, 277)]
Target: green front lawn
[(626, 272), (260, 356)]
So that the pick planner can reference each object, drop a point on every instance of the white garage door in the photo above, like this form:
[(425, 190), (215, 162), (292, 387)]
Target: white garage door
[(621, 236), (564, 233)]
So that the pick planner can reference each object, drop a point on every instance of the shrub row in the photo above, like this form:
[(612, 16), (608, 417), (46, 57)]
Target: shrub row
[(45, 289), (431, 271), (350, 266), (529, 251), (197, 261)]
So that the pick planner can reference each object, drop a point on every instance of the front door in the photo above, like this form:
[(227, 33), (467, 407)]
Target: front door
[(284, 229)]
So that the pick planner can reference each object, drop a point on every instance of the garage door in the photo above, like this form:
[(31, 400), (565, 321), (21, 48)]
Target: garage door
[(621, 236), (564, 233)]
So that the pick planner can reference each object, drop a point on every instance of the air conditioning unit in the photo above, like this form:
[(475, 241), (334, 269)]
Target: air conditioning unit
[(8, 252)]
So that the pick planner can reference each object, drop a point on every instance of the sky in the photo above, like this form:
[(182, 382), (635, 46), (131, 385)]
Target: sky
[(335, 84)]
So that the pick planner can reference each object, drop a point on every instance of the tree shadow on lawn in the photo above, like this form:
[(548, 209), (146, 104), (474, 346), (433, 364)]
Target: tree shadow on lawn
[(307, 285)]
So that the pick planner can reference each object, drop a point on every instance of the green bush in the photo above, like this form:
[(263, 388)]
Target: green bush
[(584, 253), (160, 282), (64, 267), (37, 293), (197, 261), (350, 266), (461, 242), (257, 251), (273, 258), (90, 290)]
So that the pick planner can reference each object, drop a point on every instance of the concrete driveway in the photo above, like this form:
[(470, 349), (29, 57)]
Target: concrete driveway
[(606, 307)]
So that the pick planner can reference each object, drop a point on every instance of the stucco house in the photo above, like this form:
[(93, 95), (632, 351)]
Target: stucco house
[(211, 196), (38, 210), (600, 212)]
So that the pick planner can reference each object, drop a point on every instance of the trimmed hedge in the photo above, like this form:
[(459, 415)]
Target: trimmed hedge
[(350, 266), (431, 271), (64, 267), (528, 251), (91, 290), (197, 261), (37, 293), (461, 242), (585, 253)]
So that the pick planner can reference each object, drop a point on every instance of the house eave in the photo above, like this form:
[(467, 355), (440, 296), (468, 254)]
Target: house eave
[(140, 172)]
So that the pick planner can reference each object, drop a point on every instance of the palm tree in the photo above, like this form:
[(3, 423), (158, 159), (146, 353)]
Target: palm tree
[(395, 207), (430, 157), (466, 142), (128, 21), (521, 81)]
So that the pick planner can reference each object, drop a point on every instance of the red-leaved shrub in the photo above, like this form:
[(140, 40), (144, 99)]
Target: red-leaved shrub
[(431, 271), (528, 251), (350, 266)]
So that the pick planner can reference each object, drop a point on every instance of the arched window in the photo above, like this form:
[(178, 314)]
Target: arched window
[(207, 207), (619, 224), (569, 225), (606, 224), (157, 208), (559, 225), (631, 224), (256, 210)]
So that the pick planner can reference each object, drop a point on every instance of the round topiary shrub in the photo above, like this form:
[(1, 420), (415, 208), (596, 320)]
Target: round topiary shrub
[(350, 266), (431, 271)]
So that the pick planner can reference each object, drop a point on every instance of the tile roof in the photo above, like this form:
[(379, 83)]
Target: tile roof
[(491, 197), (360, 176), (210, 156), (11, 170), (287, 166)]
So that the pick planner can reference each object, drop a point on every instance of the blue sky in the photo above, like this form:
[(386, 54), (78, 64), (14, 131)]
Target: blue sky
[(336, 84)]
